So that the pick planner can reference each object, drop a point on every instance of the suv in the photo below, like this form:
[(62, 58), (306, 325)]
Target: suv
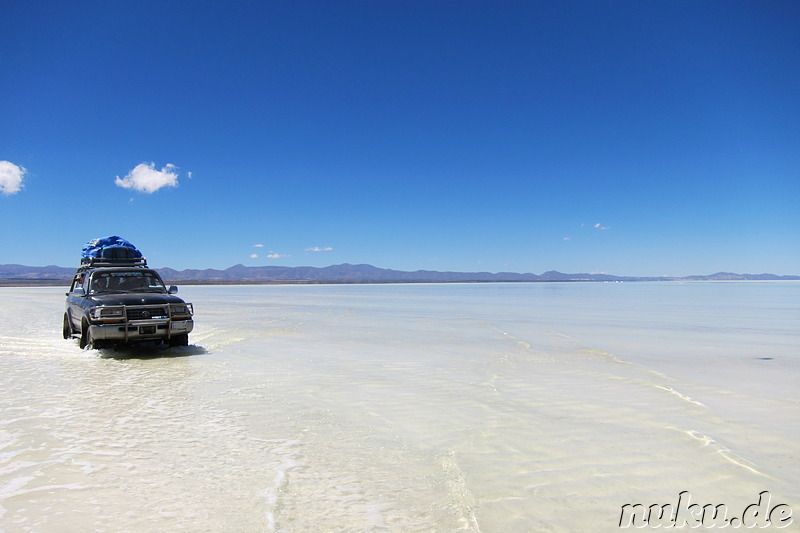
[(122, 301)]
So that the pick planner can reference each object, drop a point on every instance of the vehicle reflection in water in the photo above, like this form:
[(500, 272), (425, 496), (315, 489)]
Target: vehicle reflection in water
[(150, 351)]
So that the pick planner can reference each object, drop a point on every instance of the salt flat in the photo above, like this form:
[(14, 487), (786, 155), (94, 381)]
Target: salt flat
[(485, 407)]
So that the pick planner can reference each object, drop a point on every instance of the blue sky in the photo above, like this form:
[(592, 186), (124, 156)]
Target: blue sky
[(628, 137)]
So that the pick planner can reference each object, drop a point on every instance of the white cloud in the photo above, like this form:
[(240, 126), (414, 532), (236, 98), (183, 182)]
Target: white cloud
[(258, 246), (253, 256), (145, 178), (276, 255), (11, 177), (600, 226), (319, 249), (565, 239)]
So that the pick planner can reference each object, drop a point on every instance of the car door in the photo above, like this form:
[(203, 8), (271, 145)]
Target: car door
[(76, 300)]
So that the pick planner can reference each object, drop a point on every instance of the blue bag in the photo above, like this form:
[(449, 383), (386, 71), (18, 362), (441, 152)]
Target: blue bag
[(113, 247)]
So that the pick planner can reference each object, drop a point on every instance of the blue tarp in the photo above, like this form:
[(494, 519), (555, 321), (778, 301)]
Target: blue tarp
[(110, 247)]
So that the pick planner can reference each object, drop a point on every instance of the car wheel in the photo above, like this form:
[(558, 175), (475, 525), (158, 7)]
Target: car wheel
[(67, 327), (179, 340), (86, 337)]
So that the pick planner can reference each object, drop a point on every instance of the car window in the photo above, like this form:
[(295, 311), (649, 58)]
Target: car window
[(125, 281), (77, 282)]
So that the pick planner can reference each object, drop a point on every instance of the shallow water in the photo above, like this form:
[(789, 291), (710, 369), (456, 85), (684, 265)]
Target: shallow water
[(486, 407)]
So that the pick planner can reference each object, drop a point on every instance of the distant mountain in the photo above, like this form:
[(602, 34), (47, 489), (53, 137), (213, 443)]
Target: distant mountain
[(347, 273), (39, 273), (729, 276)]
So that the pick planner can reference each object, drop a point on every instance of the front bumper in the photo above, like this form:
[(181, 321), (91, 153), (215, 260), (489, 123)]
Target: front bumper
[(141, 331)]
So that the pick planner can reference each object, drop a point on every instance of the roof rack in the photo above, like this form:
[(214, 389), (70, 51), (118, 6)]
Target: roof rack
[(96, 262)]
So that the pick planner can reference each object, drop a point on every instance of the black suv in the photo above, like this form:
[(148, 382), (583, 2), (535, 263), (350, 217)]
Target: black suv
[(122, 301)]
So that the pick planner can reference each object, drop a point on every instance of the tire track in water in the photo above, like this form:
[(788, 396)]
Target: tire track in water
[(646, 375), (286, 452), (708, 442)]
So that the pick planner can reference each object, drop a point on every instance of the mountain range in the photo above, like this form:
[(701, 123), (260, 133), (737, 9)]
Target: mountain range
[(347, 273)]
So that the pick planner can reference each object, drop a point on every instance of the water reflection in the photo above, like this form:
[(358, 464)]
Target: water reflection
[(150, 351)]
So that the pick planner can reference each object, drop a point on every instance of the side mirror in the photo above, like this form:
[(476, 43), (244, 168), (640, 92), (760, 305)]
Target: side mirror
[(172, 289), (78, 291)]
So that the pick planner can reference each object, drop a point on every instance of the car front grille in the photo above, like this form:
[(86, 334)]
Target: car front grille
[(146, 313)]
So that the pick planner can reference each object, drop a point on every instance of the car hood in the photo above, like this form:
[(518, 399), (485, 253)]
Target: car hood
[(141, 298)]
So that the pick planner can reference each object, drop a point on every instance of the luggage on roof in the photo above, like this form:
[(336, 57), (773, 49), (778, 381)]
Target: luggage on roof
[(113, 248)]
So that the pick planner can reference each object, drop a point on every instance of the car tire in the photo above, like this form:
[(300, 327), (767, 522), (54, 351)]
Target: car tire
[(67, 329), (179, 340), (86, 337)]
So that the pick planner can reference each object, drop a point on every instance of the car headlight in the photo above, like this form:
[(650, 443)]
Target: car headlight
[(181, 309), (100, 313)]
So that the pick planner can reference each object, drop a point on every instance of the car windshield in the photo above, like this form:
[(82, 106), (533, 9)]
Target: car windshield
[(126, 281)]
